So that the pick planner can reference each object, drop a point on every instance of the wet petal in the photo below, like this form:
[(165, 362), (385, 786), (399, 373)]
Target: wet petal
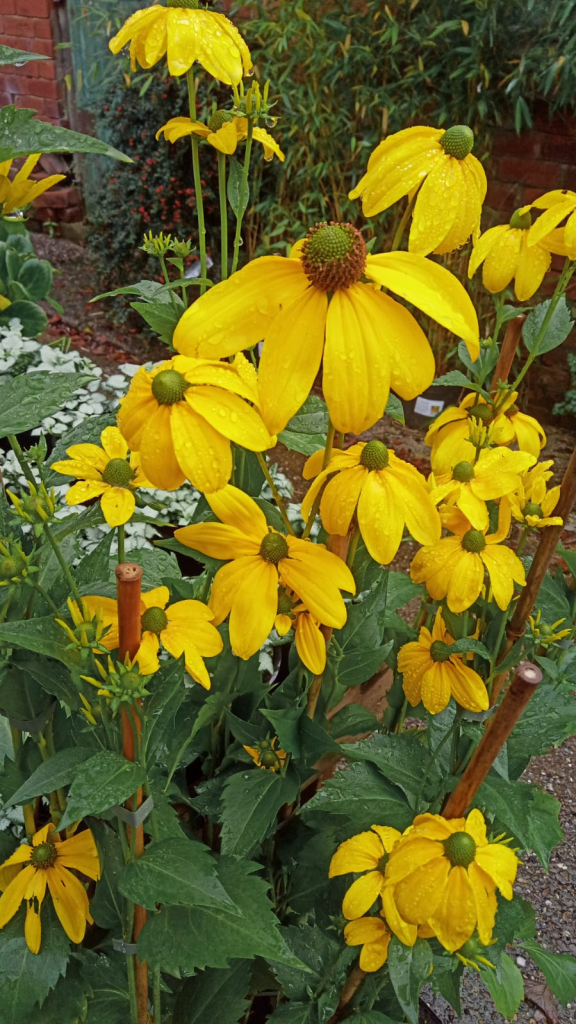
[(239, 510), (230, 416), (118, 504), (360, 853), (70, 901), (454, 920), (362, 894), (157, 457), (310, 643), (113, 443), (340, 498), (203, 454), (254, 609)]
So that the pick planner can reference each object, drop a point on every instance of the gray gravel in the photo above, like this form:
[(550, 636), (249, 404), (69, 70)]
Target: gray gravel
[(553, 896)]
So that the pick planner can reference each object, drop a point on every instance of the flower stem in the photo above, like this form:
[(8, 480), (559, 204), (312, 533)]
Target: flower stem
[(45, 597), (27, 809), (243, 195), (63, 565), (402, 225), (121, 544), (353, 548), (561, 286), (223, 215), (317, 499), (275, 492), (522, 541), (167, 278), (197, 178)]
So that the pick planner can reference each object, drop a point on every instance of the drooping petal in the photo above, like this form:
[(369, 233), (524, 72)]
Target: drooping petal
[(411, 854), (13, 894), (435, 688), (324, 563), (387, 835), (136, 23), (502, 260), (235, 314), (435, 565), (118, 504), (230, 416), (136, 408), (35, 893), (291, 357), (380, 517), (360, 853), (209, 38), (225, 140), (371, 933), (340, 498), (485, 900), (476, 827), (85, 490), (501, 864), (362, 894), (80, 852), (177, 643), (356, 368), (407, 933), (70, 901), (113, 443), (553, 216), (318, 591), (157, 457), (397, 166), (147, 654), (413, 662), (418, 895), (226, 583), (466, 581), (473, 507), (472, 194), (454, 920), (504, 568), (202, 452), (431, 288), (217, 540), (529, 434), (239, 510), (194, 621), (422, 517), (156, 598), (533, 263), (484, 245), (438, 204), (468, 689), (310, 644), (254, 609)]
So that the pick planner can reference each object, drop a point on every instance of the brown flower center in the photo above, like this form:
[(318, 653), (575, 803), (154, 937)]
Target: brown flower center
[(333, 256), (43, 855)]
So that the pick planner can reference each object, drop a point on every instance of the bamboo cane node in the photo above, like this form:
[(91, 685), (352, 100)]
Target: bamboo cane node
[(128, 572), (529, 673)]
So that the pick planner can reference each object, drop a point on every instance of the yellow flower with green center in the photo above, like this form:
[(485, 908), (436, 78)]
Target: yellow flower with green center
[(445, 874), (469, 486), (104, 473), (367, 854), (259, 559), (88, 628), (27, 873), (451, 184), (449, 434), (384, 492), (267, 755), (223, 131), (432, 674), (558, 205), (185, 627), (533, 504), (308, 637), (454, 568), (20, 191), (182, 415), (547, 634), (186, 33), (323, 303), (506, 253)]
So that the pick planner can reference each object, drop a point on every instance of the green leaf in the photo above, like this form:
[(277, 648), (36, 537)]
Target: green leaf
[(247, 474), (109, 1002), (526, 812), (36, 277), (42, 636), (506, 986), (356, 798), (357, 667), (306, 444), (26, 978), (52, 774), (306, 431), (218, 996), (468, 644), (409, 968), (294, 1013), (559, 969), (365, 622), (177, 871), (548, 720), (10, 56), (21, 134), (107, 905), (162, 317), (372, 1017), (250, 803), (106, 779), (315, 948), (401, 759), (182, 940), (161, 707), (27, 399), (32, 317), (559, 326), (394, 409), (353, 720), (238, 193), (457, 379), (448, 982)]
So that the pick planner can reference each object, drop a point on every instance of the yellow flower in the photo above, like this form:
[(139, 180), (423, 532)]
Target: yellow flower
[(88, 628), (18, 192), (533, 504), (432, 674), (181, 628), (506, 253), (187, 34), (385, 492), (4, 303), (182, 415), (223, 131), (315, 303), (557, 205), (104, 473), (495, 474), (454, 567), (451, 183), (445, 874), (309, 638), (267, 756), (258, 559), (544, 633), (27, 872), (448, 435), (372, 934), (367, 854)]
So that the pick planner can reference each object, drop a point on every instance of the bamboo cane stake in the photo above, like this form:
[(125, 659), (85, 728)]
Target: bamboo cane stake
[(508, 351), (129, 583), (522, 688), (549, 538)]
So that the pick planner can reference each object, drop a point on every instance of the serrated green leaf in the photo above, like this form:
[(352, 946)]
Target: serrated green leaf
[(162, 317), (109, 1000), (401, 759), (176, 871), (506, 986), (218, 996), (314, 947), (250, 803), (26, 978), (27, 399), (356, 798), (455, 378), (352, 721), (559, 969), (409, 968), (357, 667), (467, 644), (52, 774), (546, 722), (525, 811), (106, 779), (107, 905), (161, 707), (21, 134), (294, 1013)]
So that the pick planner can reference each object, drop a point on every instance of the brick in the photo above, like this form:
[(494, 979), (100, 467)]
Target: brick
[(71, 215), (526, 146), (502, 197), (531, 172), (561, 148), (20, 27), (7, 7), (45, 46), (44, 88), (42, 29), (530, 194), (14, 41), (34, 8), (59, 198), (50, 108), (18, 85), (43, 69)]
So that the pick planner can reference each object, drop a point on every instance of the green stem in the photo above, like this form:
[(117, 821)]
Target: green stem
[(121, 544), (223, 214), (132, 989), (45, 597), (499, 317), (497, 647), (353, 548), (455, 742), (559, 290), (275, 493), (318, 498), (167, 278), (63, 565), (522, 541), (27, 809), (402, 225), (15, 446), (243, 195), (197, 179), (157, 995)]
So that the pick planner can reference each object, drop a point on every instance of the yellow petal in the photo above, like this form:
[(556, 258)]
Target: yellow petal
[(253, 609), (339, 499), (135, 23), (237, 509), (473, 507), (431, 288), (387, 835), (13, 894), (409, 353), (177, 642), (226, 583), (484, 245), (485, 900), (225, 140), (310, 644), (35, 893), (217, 540), (202, 452), (230, 416), (364, 930), (466, 581), (360, 853), (156, 598), (85, 490), (70, 901), (504, 568), (291, 357), (454, 920), (80, 852), (476, 827), (147, 654), (435, 688), (501, 864), (418, 895), (421, 515), (113, 443), (397, 166), (157, 456), (380, 517), (194, 622), (271, 147), (413, 853), (529, 434), (502, 260), (236, 314), (473, 193), (468, 689), (137, 407), (533, 263), (439, 202), (407, 933), (553, 216), (413, 662), (435, 566), (88, 453), (118, 504), (323, 562), (362, 894), (178, 127), (356, 369)]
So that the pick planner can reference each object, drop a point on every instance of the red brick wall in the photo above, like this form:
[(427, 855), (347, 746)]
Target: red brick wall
[(32, 25)]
